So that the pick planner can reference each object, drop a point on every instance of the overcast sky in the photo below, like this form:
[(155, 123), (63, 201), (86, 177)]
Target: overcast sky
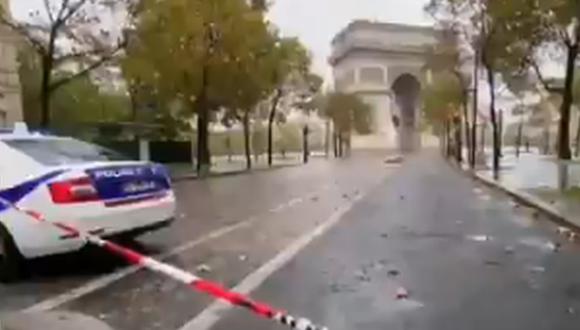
[(315, 22)]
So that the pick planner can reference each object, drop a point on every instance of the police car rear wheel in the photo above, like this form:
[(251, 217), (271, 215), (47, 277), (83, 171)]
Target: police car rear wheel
[(11, 261)]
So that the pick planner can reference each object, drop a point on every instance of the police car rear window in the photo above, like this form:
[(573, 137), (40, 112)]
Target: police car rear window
[(63, 151)]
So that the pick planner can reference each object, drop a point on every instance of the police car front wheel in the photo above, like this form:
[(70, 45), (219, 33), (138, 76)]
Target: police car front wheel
[(11, 261)]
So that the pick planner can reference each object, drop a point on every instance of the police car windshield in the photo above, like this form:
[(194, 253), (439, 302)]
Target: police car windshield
[(63, 151)]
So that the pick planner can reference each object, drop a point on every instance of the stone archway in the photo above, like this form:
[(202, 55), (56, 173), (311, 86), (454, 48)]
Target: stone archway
[(406, 90)]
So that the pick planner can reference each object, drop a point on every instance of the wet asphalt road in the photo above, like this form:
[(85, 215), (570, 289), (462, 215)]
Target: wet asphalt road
[(468, 257)]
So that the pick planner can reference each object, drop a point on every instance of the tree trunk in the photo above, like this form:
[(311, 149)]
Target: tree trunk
[(466, 128), (271, 119), (203, 154), (246, 121), (577, 149), (494, 124), (335, 144), (500, 124), (327, 138), (47, 65), (305, 146), (519, 136), (546, 140), (482, 137), (458, 141), (564, 126), (474, 110)]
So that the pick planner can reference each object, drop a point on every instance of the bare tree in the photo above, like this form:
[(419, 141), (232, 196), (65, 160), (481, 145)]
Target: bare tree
[(72, 38)]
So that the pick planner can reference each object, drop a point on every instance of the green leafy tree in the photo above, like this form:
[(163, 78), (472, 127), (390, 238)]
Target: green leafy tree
[(287, 59), (199, 52), (348, 113)]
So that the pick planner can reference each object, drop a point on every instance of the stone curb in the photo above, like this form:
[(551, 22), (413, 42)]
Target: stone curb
[(193, 176), (50, 321), (527, 200)]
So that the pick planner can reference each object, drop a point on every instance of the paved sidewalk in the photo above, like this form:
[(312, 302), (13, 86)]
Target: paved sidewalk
[(542, 181), (223, 166), (50, 321)]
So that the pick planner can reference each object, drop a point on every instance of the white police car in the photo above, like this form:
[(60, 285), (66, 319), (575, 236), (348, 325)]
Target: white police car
[(84, 185)]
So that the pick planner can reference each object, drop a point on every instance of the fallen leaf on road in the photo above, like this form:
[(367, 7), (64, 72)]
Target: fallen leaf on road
[(361, 275), (203, 268), (394, 273), (537, 269), (480, 238), (402, 294), (563, 230)]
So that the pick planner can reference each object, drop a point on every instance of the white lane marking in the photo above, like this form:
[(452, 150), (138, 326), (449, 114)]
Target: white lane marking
[(106, 280), (212, 314)]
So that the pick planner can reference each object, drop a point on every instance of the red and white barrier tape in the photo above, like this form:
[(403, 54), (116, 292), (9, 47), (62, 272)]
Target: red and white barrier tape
[(180, 275)]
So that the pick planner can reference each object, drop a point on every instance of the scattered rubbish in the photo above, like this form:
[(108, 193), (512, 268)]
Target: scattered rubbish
[(485, 197), (203, 268), (385, 235), (243, 257), (394, 160), (361, 275), (477, 191), (492, 263), (345, 196), (314, 199), (182, 216), (572, 236), (394, 273), (571, 310), (509, 250), (402, 197), (563, 230), (537, 269), (480, 238), (402, 294), (553, 246)]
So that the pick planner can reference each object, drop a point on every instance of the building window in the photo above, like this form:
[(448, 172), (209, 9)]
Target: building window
[(372, 75)]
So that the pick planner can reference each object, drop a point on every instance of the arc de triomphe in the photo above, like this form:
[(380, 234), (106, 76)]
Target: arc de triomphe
[(384, 64)]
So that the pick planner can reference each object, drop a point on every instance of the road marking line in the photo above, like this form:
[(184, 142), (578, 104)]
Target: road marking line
[(108, 279), (212, 314)]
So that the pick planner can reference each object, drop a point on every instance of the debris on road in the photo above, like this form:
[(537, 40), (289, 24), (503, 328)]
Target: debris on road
[(394, 160), (393, 273), (385, 235), (315, 198), (493, 263), (243, 257), (571, 310), (509, 250), (563, 230), (203, 268), (537, 269), (480, 238), (402, 294), (362, 275)]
